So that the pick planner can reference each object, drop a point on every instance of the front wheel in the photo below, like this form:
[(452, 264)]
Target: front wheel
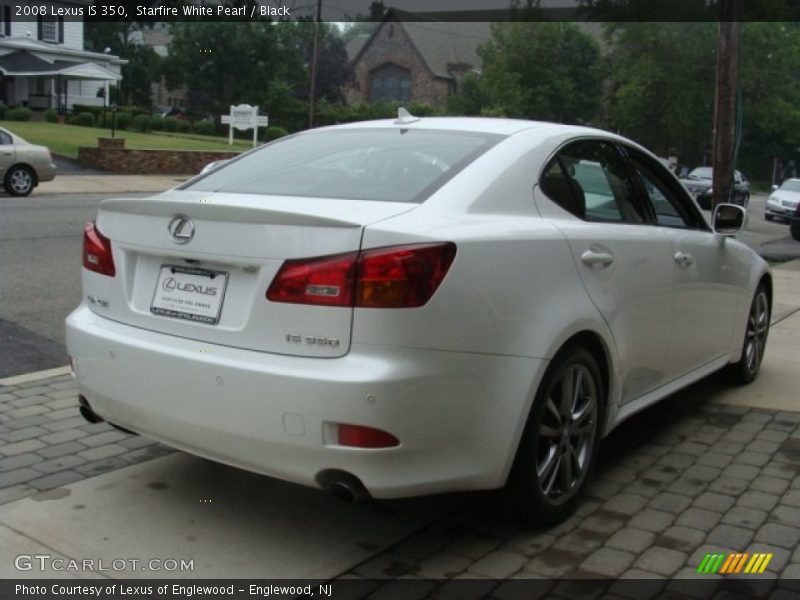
[(794, 229), (559, 444), (19, 181), (755, 339)]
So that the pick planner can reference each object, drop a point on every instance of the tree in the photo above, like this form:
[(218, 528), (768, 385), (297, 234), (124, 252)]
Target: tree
[(770, 96), (537, 70), (123, 38), (663, 85), (333, 68), (224, 63)]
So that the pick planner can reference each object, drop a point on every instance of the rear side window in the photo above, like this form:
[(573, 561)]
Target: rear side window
[(395, 165), (590, 180)]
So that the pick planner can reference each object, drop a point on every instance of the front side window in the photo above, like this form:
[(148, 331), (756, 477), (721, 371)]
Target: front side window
[(393, 165), (667, 200), (590, 180)]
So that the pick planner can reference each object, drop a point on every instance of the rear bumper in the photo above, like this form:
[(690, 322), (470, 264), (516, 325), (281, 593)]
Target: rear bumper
[(458, 416)]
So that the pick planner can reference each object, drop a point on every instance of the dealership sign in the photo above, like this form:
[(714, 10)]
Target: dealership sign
[(244, 117)]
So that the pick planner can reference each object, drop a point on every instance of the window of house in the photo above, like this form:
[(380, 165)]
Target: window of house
[(48, 29), (5, 21), (389, 83)]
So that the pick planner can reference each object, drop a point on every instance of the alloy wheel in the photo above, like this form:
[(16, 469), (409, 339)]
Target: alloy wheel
[(757, 329), (567, 433)]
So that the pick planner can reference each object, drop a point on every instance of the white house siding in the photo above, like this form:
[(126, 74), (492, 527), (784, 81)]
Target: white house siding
[(73, 31)]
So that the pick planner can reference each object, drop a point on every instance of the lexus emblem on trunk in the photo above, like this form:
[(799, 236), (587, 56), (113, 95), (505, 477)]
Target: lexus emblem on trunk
[(181, 229)]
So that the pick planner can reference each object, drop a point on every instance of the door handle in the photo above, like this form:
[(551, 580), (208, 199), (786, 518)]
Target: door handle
[(683, 259), (597, 259)]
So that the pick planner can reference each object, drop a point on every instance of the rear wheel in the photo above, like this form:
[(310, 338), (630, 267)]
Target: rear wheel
[(768, 217), (794, 229), (558, 447), (19, 181), (755, 339)]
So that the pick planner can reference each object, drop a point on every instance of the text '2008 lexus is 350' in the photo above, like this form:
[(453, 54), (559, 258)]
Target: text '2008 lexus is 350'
[(412, 306)]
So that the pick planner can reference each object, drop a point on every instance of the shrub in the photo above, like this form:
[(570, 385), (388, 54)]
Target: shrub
[(170, 124), (204, 128), (183, 126), (157, 123), (19, 114), (124, 120), (273, 133), (84, 119), (51, 115), (3, 110), (134, 110), (97, 111), (141, 123)]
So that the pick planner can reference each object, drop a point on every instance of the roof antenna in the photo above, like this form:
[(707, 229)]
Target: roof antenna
[(404, 117)]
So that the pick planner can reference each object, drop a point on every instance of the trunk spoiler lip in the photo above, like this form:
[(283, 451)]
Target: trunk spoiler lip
[(219, 207)]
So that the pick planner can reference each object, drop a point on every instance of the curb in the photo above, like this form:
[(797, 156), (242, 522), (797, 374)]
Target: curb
[(35, 376)]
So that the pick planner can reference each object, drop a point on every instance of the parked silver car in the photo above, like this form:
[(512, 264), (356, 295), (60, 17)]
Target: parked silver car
[(784, 204), (23, 165)]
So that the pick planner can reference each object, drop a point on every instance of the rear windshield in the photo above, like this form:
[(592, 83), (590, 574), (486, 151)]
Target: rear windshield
[(395, 165)]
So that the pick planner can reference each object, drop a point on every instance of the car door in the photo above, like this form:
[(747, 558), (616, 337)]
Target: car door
[(625, 262), (8, 153), (706, 271)]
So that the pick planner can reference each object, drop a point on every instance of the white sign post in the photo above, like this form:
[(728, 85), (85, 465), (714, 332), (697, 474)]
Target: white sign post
[(244, 117)]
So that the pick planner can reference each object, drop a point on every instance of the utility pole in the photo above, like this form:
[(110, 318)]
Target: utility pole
[(728, 43), (314, 59)]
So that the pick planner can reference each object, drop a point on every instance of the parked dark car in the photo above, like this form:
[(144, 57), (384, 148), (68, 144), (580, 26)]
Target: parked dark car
[(699, 181)]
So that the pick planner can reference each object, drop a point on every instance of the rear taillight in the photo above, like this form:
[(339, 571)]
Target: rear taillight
[(392, 277), (97, 251)]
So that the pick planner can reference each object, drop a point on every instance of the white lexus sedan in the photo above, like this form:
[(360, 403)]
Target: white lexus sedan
[(395, 308)]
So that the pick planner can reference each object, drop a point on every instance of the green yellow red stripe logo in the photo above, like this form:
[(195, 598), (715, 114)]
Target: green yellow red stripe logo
[(732, 563)]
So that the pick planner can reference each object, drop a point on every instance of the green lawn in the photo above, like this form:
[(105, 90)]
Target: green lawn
[(65, 139)]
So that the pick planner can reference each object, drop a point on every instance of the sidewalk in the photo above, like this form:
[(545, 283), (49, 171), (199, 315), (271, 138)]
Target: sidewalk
[(711, 469), (109, 184)]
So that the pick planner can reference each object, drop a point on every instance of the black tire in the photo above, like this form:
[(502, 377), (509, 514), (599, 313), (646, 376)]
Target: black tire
[(755, 339), (542, 488), (794, 229), (19, 181), (768, 217)]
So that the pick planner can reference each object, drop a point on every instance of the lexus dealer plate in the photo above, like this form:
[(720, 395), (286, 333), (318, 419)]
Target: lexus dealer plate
[(187, 293)]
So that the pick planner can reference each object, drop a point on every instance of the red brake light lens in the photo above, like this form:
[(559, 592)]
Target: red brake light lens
[(326, 281), (392, 277), (97, 255), (401, 276), (359, 436)]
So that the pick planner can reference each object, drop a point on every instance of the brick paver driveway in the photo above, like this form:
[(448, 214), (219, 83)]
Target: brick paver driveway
[(685, 478)]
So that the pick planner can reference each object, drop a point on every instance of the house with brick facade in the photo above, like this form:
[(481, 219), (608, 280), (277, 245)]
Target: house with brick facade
[(413, 61), (43, 63)]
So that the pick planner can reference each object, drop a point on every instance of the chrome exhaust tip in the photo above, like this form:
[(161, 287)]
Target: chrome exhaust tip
[(87, 412), (343, 485)]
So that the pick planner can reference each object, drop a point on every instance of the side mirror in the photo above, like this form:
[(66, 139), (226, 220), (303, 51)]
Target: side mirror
[(728, 219), (774, 188)]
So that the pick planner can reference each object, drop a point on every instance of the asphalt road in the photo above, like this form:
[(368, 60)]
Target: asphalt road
[(40, 248)]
